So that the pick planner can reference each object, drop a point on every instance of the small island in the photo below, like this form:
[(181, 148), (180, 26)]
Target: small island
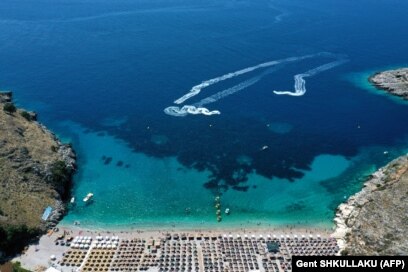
[(393, 81), (35, 176)]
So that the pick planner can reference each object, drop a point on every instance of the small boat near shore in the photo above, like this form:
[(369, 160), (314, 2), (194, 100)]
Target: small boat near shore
[(72, 200), (227, 211), (88, 197)]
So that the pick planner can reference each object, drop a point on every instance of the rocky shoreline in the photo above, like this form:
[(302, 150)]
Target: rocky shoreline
[(394, 82), (373, 221), (68, 156), (36, 171)]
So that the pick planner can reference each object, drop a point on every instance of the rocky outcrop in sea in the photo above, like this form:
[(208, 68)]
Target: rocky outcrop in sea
[(393, 81)]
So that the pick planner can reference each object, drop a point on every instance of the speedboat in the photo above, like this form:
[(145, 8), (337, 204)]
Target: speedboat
[(88, 197), (72, 200), (227, 211)]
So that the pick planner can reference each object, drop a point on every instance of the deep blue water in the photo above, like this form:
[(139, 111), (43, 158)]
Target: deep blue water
[(103, 70)]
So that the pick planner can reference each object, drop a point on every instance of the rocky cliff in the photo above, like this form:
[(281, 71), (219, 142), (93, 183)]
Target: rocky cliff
[(375, 220), (393, 81), (35, 172)]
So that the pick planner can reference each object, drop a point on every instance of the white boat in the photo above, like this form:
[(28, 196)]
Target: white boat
[(88, 197), (264, 147), (227, 211), (72, 200)]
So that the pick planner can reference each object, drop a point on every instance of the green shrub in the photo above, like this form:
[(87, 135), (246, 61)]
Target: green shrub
[(59, 173), (17, 268), (26, 115), (9, 107), (13, 239), (344, 252)]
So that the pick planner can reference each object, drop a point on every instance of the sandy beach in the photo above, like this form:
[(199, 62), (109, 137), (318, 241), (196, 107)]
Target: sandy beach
[(37, 257)]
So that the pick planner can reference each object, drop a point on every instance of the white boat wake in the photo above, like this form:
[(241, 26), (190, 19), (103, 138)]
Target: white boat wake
[(198, 108), (300, 84), (243, 85), (197, 88)]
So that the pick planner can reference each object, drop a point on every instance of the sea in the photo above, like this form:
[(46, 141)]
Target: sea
[(171, 103)]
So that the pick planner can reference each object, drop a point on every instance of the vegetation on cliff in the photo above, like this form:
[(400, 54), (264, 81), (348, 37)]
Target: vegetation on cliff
[(12, 267), (13, 238), (9, 108), (374, 221), (35, 172)]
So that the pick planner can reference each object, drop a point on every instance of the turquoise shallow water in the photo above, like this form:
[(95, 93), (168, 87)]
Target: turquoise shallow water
[(360, 79), (100, 74), (153, 192)]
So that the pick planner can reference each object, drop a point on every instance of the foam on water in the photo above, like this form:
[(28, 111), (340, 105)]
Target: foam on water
[(195, 90), (300, 84)]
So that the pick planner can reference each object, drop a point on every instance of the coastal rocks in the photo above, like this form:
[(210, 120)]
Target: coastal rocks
[(6, 97), (68, 156), (394, 81), (106, 160), (35, 172), (32, 115), (373, 221), (56, 214)]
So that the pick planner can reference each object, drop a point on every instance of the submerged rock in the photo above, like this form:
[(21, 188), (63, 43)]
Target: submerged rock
[(159, 139), (107, 160), (119, 164)]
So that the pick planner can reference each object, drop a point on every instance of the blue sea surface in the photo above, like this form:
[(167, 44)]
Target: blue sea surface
[(100, 74)]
